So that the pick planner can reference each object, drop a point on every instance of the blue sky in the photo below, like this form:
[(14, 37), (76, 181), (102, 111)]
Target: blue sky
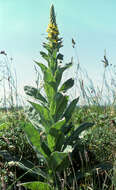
[(91, 23)]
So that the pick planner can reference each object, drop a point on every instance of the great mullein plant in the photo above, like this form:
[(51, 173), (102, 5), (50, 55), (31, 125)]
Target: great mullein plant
[(55, 131)]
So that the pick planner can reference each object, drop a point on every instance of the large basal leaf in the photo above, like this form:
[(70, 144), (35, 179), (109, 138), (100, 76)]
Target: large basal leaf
[(24, 164), (56, 159), (34, 92), (33, 137), (67, 85), (44, 113), (74, 136), (29, 168), (36, 185), (69, 111), (81, 128)]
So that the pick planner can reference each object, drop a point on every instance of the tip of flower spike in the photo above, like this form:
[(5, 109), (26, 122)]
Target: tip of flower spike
[(53, 31), (52, 15)]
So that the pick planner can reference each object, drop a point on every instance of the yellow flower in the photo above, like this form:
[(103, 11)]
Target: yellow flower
[(49, 35), (52, 30)]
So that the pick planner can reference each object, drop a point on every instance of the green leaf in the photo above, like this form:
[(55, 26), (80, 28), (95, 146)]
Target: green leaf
[(51, 142), (44, 55), (59, 73), (34, 92), (28, 167), (55, 53), (44, 113), (58, 125), (53, 85), (56, 159), (36, 185), (56, 137), (45, 148), (50, 91), (33, 137), (48, 82), (60, 56), (47, 47), (48, 76), (69, 111), (74, 136), (59, 142), (81, 128), (61, 104), (67, 85), (67, 128), (42, 66), (53, 107), (53, 61)]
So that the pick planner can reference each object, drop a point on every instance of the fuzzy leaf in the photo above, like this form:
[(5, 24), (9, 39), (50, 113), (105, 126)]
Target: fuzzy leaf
[(50, 91), (61, 104), (33, 137), (34, 92), (44, 55), (56, 137), (48, 77), (42, 66), (60, 56), (69, 111), (59, 73), (44, 113), (67, 128), (45, 148), (75, 135), (67, 85)]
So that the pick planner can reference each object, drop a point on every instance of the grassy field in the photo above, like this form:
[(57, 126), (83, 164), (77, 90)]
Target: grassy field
[(96, 150)]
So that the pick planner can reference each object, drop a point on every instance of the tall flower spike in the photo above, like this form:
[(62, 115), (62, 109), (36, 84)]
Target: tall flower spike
[(52, 30)]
